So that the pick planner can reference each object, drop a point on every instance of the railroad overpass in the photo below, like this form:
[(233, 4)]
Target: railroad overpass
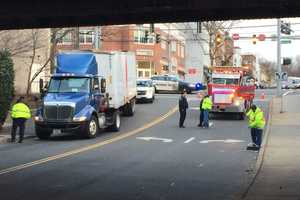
[(57, 13)]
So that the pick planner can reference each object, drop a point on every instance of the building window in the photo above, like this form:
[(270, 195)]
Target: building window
[(144, 64), (67, 39), (86, 37), (139, 37), (147, 74), (140, 74), (178, 50)]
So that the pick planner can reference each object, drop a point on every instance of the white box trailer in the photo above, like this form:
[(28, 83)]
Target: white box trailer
[(119, 70)]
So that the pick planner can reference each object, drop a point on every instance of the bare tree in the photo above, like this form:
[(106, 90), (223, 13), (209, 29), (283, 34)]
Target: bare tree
[(56, 35), (268, 68), (17, 42), (213, 28)]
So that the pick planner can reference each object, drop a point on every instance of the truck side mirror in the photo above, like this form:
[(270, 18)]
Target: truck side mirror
[(103, 85), (43, 88)]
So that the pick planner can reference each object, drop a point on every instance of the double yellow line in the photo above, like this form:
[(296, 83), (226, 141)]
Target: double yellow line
[(90, 147)]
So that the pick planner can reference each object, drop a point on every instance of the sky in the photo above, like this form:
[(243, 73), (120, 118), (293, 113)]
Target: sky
[(268, 48)]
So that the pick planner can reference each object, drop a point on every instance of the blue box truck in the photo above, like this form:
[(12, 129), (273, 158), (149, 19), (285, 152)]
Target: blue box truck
[(88, 92)]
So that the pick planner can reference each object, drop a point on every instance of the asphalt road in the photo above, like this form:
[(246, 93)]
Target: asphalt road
[(160, 162)]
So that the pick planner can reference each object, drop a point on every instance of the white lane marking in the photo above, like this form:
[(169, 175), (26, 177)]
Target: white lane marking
[(165, 140), (224, 141), (233, 141), (194, 108), (210, 141), (189, 140)]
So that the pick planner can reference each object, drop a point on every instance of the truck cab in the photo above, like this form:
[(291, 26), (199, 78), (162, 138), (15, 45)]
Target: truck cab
[(230, 91)]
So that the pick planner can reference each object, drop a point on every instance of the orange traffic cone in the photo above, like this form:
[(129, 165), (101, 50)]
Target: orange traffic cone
[(262, 96)]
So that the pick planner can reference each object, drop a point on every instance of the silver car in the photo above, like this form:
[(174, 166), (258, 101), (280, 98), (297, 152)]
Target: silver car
[(165, 83)]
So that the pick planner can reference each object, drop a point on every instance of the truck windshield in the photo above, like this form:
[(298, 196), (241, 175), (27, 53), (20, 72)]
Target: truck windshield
[(67, 84), (226, 81), (144, 83)]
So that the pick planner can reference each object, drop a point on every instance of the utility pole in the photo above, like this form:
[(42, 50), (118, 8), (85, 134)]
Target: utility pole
[(279, 56), (76, 38), (169, 50), (97, 37)]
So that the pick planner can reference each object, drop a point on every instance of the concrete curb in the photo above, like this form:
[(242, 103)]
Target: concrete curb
[(261, 154)]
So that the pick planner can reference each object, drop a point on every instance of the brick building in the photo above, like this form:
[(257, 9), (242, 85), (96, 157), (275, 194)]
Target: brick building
[(152, 58)]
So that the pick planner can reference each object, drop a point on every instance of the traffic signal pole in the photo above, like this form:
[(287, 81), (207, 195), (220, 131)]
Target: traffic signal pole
[(279, 56)]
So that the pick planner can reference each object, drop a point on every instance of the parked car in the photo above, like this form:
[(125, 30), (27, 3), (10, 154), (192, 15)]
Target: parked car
[(188, 87), (165, 83), (145, 90), (169, 83)]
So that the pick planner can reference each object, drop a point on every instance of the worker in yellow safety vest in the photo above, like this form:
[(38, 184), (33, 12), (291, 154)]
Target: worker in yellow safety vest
[(257, 123), (206, 107), (20, 113)]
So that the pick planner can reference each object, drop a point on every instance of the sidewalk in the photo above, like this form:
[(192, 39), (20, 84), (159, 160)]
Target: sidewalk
[(279, 177), (5, 132)]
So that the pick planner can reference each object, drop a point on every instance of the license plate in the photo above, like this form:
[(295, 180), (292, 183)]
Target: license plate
[(222, 107), (56, 131)]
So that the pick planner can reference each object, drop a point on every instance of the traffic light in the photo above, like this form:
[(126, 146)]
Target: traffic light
[(157, 38), (254, 39), (146, 35), (285, 28), (287, 61), (152, 30), (219, 39)]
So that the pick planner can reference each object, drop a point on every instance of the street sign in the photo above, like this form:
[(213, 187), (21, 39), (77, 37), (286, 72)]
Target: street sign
[(283, 76), (286, 41), (235, 36), (261, 37)]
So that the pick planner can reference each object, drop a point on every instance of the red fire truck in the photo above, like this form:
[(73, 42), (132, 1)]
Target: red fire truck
[(232, 90)]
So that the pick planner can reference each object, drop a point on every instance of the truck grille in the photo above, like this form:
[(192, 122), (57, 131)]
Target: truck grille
[(141, 92), (222, 98), (58, 112)]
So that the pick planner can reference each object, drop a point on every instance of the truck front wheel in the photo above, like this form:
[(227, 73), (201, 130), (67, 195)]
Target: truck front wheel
[(91, 128), (43, 133)]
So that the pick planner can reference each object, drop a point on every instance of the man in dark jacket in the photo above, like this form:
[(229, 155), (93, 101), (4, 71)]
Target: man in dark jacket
[(201, 111), (183, 105)]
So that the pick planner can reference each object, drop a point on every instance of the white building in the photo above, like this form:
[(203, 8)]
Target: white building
[(196, 54), (237, 58)]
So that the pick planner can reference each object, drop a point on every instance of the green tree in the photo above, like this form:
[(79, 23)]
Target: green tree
[(6, 84)]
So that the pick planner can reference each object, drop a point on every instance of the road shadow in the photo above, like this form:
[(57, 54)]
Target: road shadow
[(225, 116), (71, 136)]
